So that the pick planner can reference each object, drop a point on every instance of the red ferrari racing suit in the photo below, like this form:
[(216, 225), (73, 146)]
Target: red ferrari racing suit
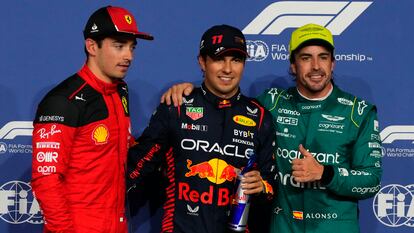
[(81, 136)]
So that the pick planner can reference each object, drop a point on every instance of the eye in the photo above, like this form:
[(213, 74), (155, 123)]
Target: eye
[(325, 57), (305, 58), (237, 59)]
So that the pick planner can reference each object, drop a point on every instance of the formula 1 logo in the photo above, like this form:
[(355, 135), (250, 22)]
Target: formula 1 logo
[(16, 128), (394, 205), (397, 132), (278, 16), (17, 203)]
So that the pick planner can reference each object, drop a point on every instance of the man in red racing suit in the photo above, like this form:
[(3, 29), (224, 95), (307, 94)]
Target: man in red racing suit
[(82, 133)]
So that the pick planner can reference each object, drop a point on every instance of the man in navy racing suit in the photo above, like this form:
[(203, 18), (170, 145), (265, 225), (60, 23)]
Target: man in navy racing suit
[(207, 141)]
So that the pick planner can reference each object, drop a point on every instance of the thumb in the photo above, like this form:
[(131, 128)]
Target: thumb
[(303, 151), (187, 91)]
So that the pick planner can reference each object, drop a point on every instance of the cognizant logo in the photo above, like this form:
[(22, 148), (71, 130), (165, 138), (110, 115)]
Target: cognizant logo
[(394, 205), (278, 16)]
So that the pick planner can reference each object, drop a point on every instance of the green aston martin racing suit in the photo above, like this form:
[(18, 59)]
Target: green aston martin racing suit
[(342, 133)]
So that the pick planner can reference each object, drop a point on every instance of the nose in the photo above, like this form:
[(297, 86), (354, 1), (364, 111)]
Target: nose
[(315, 64), (129, 54), (227, 66)]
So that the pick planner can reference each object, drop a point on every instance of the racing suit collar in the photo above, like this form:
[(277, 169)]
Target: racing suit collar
[(304, 105), (217, 101), (96, 83)]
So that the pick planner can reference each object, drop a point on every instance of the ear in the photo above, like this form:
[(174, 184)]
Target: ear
[(91, 46), (202, 63), (293, 68), (333, 66)]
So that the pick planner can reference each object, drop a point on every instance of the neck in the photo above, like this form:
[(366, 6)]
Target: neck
[(97, 72), (319, 98)]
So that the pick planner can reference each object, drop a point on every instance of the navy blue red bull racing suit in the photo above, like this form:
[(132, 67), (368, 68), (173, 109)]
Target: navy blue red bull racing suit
[(203, 143)]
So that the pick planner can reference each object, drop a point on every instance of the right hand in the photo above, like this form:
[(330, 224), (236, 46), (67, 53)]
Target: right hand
[(176, 92)]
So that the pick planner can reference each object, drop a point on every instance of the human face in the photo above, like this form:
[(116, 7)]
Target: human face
[(313, 68), (222, 74), (111, 60)]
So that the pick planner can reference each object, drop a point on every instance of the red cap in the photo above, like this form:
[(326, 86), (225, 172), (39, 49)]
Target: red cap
[(112, 20)]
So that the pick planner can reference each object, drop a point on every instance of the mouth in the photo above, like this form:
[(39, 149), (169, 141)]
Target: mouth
[(225, 79), (316, 77), (124, 67)]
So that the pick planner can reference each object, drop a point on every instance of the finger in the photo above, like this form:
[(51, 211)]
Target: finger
[(303, 151), (253, 173), (297, 162), (251, 179), (253, 191), (297, 168), (251, 188), (188, 90), (298, 174), (166, 97), (174, 95)]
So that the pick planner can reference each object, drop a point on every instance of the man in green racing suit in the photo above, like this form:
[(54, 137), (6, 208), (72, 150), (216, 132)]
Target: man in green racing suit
[(328, 151), (319, 187)]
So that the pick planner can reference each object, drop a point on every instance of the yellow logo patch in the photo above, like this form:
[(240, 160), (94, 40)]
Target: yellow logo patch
[(125, 103), (128, 19), (100, 134), (242, 120)]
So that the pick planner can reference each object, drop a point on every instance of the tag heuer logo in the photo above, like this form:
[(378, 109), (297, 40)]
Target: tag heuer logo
[(194, 113)]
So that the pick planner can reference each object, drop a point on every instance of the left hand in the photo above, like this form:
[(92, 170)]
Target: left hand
[(252, 182), (306, 169)]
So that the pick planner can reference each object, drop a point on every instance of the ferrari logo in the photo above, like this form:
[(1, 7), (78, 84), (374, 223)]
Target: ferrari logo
[(128, 18), (125, 104)]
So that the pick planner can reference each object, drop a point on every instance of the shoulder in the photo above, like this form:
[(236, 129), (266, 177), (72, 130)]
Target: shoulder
[(58, 105), (359, 107), (271, 96), (256, 110)]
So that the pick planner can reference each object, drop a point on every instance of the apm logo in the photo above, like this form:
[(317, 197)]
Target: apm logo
[(278, 16), (16, 128), (394, 205), (17, 203), (397, 132)]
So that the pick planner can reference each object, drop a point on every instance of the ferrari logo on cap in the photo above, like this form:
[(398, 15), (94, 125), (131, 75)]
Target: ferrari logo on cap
[(128, 19)]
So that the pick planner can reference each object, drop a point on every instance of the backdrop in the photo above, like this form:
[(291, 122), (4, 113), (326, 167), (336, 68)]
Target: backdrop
[(42, 43)]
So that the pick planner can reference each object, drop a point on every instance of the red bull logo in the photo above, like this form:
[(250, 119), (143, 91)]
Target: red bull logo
[(215, 170), (224, 104), (186, 193)]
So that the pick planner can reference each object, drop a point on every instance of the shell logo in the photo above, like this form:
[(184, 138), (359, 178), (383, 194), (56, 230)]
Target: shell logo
[(242, 120), (100, 134)]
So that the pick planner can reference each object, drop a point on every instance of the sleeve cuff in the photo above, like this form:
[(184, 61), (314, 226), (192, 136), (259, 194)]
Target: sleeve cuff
[(327, 174)]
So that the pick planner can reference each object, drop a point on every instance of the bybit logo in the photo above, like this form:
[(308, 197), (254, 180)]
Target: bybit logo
[(278, 16)]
